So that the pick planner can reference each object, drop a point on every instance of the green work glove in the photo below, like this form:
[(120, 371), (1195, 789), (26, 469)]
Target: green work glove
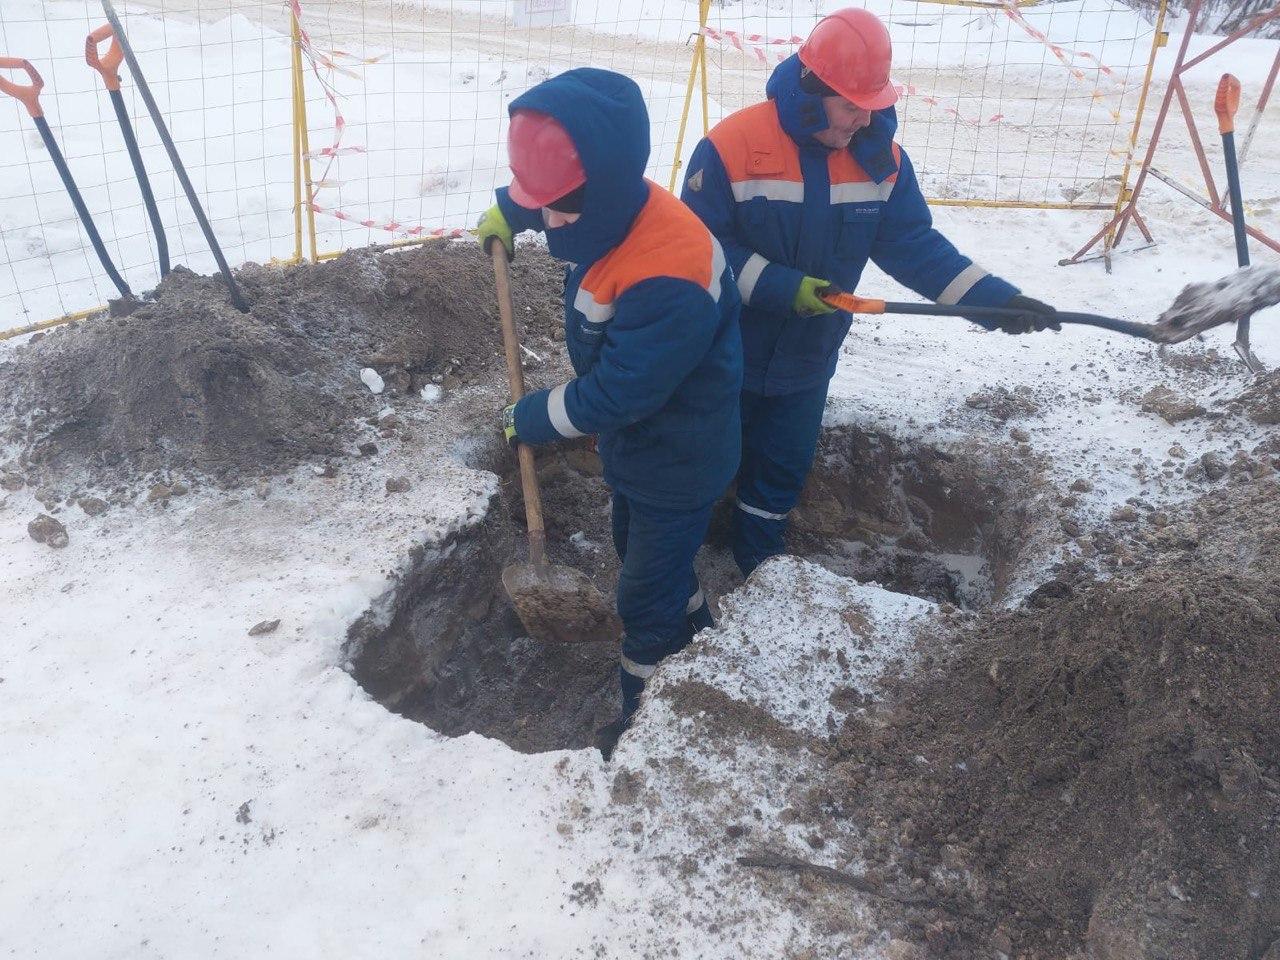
[(509, 423), (807, 302), (493, 225)]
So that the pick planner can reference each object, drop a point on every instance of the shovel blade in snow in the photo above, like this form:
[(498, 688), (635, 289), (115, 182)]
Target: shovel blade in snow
[(1202, 306), (559, 604)]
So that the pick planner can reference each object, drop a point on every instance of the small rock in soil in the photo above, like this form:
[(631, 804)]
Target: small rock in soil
[(1081, 486), (1003, 404), (368, 448), (45, 529), (12, 481), (93, 506), (1170, 406), (902, 950), (398, 485), (263, 627), (1215, 468)]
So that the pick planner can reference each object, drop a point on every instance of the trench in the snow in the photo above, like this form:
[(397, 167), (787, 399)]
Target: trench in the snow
[(949, 526)]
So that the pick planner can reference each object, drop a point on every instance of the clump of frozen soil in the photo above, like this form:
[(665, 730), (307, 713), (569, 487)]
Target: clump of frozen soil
[(1262, 399), (1097, 772), (187, 383)]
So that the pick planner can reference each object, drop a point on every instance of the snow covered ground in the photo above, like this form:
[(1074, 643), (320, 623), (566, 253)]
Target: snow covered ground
[(177, 788)]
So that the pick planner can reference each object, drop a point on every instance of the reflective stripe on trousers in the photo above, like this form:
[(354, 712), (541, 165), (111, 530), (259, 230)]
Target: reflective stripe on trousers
[(779, 439)]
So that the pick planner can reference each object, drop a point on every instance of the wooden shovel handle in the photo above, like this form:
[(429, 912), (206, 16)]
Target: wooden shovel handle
[(515, 373)]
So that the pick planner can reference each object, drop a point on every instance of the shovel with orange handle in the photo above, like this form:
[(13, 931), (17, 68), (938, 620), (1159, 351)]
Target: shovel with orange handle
[(1225, 105), (28, 94), (108, 66), (175, 160), (847, 301), (1199, 307)]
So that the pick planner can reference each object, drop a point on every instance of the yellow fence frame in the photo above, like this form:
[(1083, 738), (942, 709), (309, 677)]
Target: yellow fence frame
[(306, 246), (303, 188)]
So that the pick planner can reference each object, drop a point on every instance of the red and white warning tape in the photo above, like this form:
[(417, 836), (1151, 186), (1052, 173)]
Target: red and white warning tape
[(328, 61), (393, 226), (910, 90), (319, 59), (754, 43), (764, 48), (1065, 55)]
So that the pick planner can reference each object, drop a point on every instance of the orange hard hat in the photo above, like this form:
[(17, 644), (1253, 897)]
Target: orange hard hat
[(851, 53), (543, 159)]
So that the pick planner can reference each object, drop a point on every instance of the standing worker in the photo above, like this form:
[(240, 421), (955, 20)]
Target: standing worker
[(651, 325), (802, 190)]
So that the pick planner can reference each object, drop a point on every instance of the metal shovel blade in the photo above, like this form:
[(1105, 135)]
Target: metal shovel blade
[(559, 604), (1202, 306)]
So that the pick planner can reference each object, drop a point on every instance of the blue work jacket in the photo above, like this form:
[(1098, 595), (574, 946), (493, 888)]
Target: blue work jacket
[(651, 310), (784, 207)]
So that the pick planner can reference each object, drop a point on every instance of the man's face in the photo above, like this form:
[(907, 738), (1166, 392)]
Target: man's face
[(843, 121), (554, 218)]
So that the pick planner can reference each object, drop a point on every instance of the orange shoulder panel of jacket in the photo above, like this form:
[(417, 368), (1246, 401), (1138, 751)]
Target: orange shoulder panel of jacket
[(666, 240), (753, 146), (844, 168)]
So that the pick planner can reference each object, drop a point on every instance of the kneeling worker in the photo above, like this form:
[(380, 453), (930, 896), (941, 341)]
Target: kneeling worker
[(651, 326), (802, 190)]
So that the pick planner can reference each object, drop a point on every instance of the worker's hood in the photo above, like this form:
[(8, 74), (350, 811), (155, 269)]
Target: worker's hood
[(605, 116), (802, 116)]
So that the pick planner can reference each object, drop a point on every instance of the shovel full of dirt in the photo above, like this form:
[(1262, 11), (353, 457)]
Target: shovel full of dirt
[(1199, 307), (555, 603)]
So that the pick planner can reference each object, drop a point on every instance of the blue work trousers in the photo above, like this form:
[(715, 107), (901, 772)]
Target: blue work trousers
[(659, 600), (779, 439)]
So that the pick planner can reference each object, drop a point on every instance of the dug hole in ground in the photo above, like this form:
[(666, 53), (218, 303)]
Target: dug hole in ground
[(1014, 694)]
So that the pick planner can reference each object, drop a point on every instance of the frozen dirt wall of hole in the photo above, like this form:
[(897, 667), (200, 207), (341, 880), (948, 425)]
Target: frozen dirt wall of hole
[(446, 649), (947, 524)]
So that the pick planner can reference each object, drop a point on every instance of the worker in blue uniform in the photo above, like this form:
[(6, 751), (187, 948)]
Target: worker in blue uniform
[(651, 325), (802, 190)]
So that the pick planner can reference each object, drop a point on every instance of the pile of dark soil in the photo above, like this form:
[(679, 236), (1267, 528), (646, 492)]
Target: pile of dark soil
[(1262, 400), (187, 383), (1097, 774)]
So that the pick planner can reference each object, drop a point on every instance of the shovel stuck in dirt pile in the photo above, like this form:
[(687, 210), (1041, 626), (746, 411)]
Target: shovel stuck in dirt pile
[(555, 603), (1199, 307)]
